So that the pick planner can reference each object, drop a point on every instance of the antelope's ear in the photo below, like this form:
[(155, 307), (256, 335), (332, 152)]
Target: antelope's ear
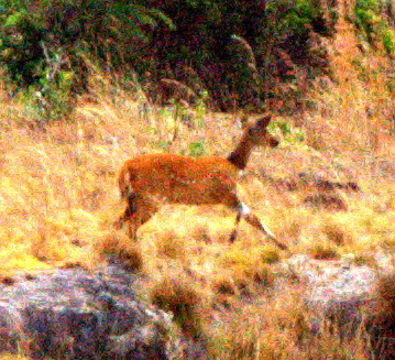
[(263, 122)]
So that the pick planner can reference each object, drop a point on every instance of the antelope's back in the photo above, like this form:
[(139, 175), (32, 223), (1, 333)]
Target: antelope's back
[(179, 178)]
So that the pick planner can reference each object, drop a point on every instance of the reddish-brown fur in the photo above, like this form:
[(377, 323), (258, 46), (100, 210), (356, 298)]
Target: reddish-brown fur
[(148, 181)]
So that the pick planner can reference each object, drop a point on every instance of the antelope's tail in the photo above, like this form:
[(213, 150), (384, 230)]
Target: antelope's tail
[(125, 184)]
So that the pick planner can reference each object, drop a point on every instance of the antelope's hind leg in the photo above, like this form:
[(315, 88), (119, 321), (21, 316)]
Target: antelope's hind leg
[(138, 211), (128, 213)]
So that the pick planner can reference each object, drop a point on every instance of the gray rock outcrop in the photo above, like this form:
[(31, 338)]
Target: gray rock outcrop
[(75, 314), (345, 297)]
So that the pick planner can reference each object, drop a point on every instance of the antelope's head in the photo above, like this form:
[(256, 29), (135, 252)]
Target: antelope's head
[(258, 134)]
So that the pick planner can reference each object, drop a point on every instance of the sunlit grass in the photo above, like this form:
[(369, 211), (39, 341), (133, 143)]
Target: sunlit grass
[(279, 329), (59, 199), (10, 356)]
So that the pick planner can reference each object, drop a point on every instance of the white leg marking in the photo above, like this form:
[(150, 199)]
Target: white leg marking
[(126, 177), (269, 233), (129, 189), (244, 209)]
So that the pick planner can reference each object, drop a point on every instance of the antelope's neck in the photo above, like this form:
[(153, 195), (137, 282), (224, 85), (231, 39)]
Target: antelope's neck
[(240, 156)]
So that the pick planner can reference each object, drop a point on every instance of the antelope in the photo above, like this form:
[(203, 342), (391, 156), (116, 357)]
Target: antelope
[(149, 181)]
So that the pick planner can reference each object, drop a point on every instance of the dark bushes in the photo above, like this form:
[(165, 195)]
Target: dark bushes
[(236, 50)]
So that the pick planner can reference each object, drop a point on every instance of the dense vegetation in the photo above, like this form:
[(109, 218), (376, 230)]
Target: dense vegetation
[(239, 53), (374, 19), (234, 50)]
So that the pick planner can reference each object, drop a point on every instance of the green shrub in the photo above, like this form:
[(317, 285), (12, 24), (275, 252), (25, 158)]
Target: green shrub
[(196, 149), (44, 44), (388, 37), (369, 17)]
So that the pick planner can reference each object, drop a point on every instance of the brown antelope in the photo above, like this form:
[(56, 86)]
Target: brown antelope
[(148, 181)]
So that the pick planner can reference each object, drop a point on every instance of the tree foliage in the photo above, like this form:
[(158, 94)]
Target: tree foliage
[(234, 49), (376, 27)]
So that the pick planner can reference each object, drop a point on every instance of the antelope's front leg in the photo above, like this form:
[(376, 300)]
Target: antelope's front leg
[(234, 233), (253, 220)]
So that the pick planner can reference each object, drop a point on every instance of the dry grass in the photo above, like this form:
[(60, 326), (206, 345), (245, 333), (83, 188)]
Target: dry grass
[(386, 291), (181, 297), (13, 357), (250, 334), (58, 200)]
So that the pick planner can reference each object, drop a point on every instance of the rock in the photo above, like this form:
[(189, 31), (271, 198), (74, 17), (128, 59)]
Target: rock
[(345, 297), (75, 314), (335, 291)]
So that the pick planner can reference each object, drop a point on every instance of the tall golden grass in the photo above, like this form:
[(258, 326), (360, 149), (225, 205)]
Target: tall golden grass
[(58, 200)]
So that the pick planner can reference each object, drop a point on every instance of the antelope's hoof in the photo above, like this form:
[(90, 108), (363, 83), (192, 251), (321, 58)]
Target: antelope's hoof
[(281, 246), (232, 237)]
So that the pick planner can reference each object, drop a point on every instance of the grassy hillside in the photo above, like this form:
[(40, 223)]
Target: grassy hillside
[(58, 199)]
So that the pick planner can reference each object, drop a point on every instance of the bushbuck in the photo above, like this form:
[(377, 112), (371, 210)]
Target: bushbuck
[(149, 181)]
